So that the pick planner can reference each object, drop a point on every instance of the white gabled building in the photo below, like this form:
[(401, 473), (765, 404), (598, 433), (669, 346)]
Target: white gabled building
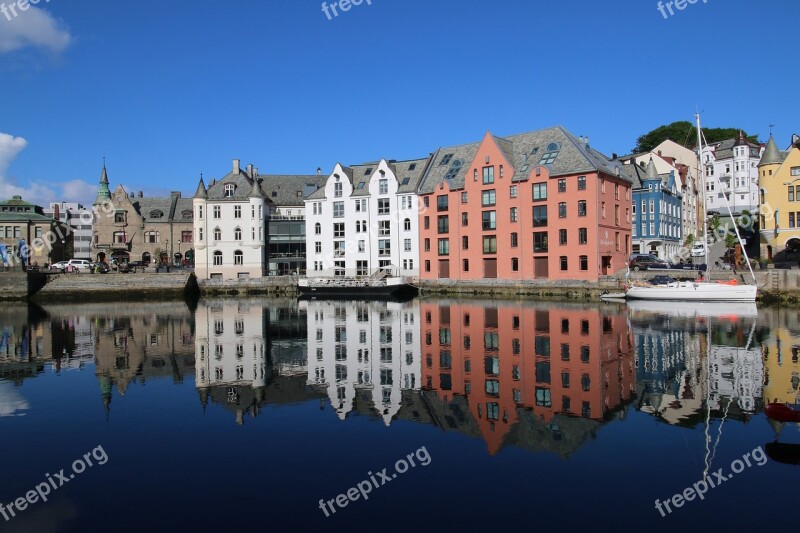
[(731, 169), (365, 219), (231, 225)]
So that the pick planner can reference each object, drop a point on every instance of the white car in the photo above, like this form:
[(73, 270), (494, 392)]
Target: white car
[(698, 249), (79, 265), (61, 265)]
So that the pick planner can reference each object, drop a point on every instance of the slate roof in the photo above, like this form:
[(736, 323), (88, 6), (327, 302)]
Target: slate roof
[(637, 175), (724, 149), (288, 190), (413, 169), (525, 152), (25, 217), (772, 155), (164, 209)]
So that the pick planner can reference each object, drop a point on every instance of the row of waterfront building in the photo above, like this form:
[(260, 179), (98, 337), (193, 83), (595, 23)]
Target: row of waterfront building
[(542, 204)]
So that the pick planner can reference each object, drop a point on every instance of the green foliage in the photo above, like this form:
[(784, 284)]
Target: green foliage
[(730, 240), (689, 240), (684, 133)]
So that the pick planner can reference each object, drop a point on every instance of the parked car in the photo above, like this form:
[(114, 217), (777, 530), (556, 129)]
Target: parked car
[(101, 267), (646, 262), (698, 249), (79, 265), (131, 266), (60, 266)]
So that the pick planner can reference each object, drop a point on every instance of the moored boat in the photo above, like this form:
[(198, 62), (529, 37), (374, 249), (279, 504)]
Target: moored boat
[(355, 288)]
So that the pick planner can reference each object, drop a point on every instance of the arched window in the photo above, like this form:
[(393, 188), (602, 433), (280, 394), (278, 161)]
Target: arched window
[(187, 214), (238, 257), (237, 234), (317, 229), (407, 224), (217, 234), (217, 258), (230, 188)]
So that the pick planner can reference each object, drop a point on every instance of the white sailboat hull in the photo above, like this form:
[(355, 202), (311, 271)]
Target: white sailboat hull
[(694, 291)]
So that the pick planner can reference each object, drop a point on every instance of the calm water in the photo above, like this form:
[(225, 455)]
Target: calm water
[(246, 413)]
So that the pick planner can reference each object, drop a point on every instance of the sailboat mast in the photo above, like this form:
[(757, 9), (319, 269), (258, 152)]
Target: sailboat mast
[(703, 193)]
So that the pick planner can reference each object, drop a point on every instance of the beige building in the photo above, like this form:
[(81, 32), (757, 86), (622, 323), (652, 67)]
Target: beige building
[(130, 227), (47, 240)]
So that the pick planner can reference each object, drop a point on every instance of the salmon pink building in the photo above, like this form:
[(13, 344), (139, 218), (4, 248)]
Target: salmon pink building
[(554, 367), (539, 205)]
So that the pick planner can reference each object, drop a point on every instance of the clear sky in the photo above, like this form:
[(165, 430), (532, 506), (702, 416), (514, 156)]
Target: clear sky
[(166, 90)]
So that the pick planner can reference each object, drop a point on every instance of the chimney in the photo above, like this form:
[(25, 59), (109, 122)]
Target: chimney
[(250, 169), (141, 194), (55, 211), (235, 166), (255, 172), (132, 194), (319, 171), (175, 194)]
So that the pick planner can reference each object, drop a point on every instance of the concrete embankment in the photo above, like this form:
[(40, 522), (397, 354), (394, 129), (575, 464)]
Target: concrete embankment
[(779, 287)]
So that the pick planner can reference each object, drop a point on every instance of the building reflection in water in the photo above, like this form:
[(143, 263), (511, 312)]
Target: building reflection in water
[(149, 341), (532, 376), (361, 351), (689, 360), (781, 353), (250, 353)]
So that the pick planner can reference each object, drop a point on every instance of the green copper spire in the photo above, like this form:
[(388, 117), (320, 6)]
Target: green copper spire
[(103, 194)]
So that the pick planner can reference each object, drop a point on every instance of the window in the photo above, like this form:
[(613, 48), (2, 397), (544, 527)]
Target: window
[(427, 245), (120, 237), (514, 240), (540, 242), (514, 264), (383, 186), (444, 246), (384, 228), (488, 198), (217, 234), (407, 224), (237, 211), (384, 247), (465, 268), (217, 258), (464, 197), (338, 230), (791, 219), (550, 155), (317, 229), (582, 208), (513, 191), (616, 191), (795, 171), (237, 234), (465, 243), (441, 202), (338, 209), (562, 185), (199, 211), (539, 191), (581, 183), (199, 234), (217, 211), (443, 224), (383, 206), (337, 189), (539, 216), (488, 175), (562, 236), (238, 257), (584, 262), (407, 245), (603, 209), (426, 222), (489, 220), (318, 247), (186, 236), (562, 210), (229, 189), (791, 193), (490, 244), (563, 261), (513, 214), (151, 237), (362, 246)]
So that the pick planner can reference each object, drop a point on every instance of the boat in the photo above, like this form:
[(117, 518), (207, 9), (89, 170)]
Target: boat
[(732, 311), (703, 290), (358, 288), (780, 412), (612, 296), (788, 454)]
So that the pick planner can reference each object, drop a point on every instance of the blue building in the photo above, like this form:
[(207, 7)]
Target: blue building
[(657, 213)]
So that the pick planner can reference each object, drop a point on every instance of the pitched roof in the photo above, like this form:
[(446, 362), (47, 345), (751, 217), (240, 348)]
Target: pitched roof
[(411, 170), (524, 151), (290, 190)]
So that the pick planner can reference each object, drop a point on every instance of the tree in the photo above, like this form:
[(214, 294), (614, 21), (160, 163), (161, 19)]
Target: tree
[(684, 133)]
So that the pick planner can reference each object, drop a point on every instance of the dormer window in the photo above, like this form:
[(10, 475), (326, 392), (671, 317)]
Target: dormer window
[(230, 188), (156, 213)]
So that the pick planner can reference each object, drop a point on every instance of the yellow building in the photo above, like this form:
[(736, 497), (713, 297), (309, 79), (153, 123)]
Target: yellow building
[(779, 181)]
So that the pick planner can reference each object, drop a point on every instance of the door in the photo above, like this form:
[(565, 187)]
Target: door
[(540, 268), (490, 268), (444, 268)]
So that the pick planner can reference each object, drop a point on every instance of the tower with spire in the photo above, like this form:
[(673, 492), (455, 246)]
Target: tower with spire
[(779, 210), (103, 192)]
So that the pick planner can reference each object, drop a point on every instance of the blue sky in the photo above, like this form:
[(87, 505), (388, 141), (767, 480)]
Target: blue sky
[(169, 89)]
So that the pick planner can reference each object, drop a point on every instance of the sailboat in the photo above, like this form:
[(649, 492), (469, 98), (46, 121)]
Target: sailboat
[(705, 290)]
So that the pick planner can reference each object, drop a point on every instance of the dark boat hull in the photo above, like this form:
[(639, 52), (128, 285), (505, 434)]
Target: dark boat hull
[(358, 293)]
